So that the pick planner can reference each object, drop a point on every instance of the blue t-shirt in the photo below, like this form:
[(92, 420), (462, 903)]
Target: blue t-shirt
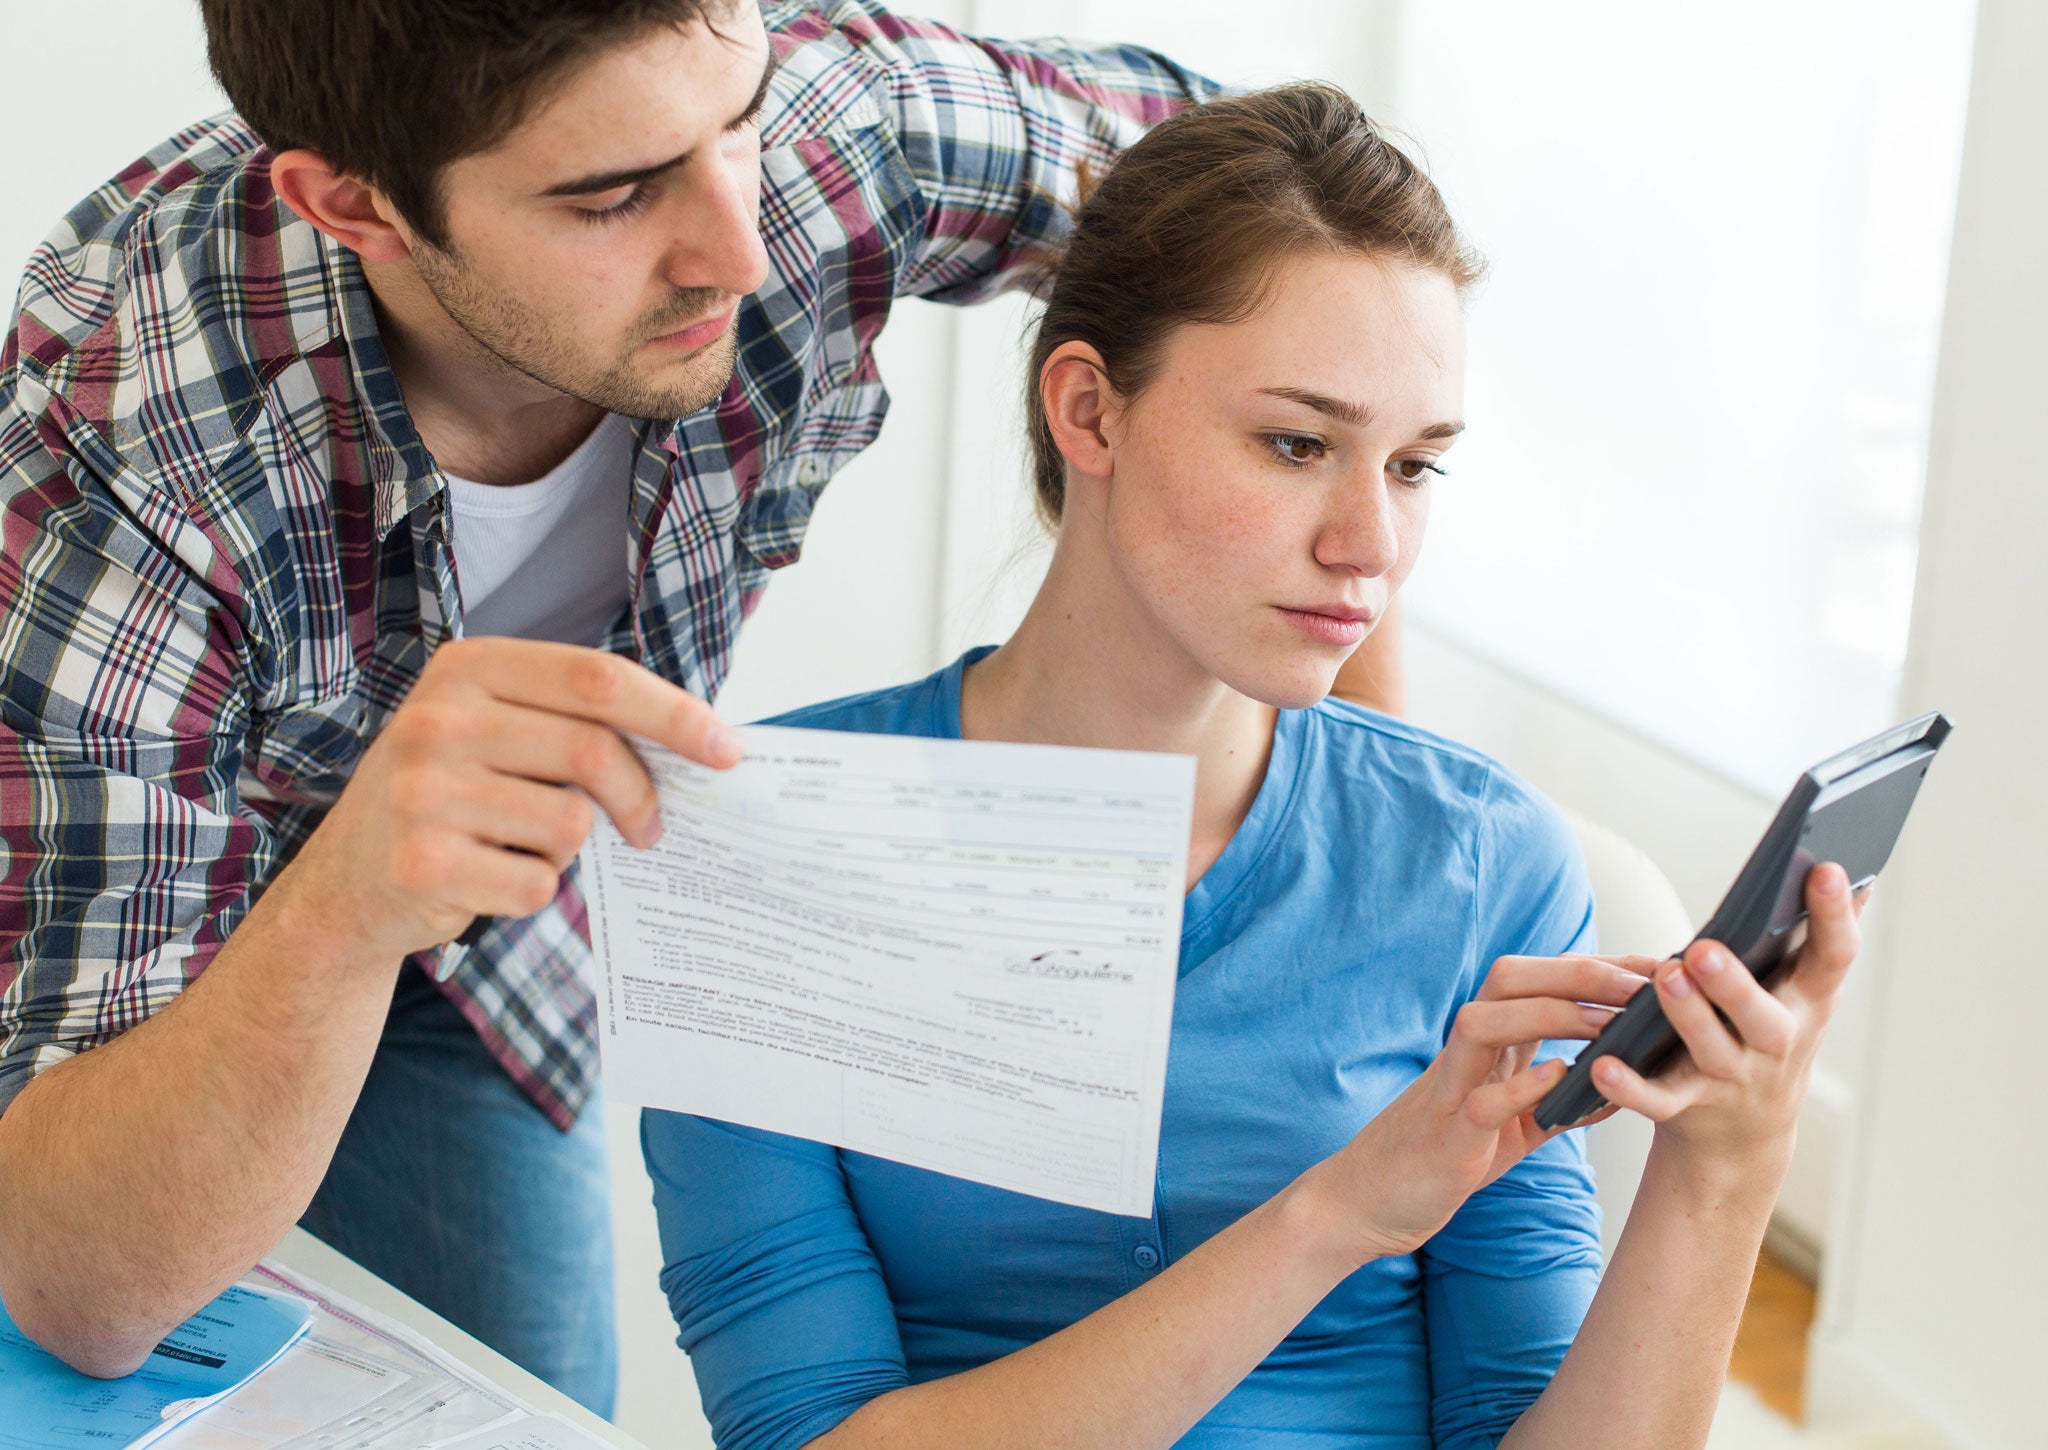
[(1379, 873)]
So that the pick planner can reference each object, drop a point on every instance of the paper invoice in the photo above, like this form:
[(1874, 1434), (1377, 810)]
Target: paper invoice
[(956, 954)]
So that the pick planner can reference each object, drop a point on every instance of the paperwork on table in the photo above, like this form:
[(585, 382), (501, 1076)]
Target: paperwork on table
[(957, 954), (529, 1432), (356, 1381), (45, 1403)]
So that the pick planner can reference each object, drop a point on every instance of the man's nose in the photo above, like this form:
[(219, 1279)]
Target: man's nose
[(723, 250)]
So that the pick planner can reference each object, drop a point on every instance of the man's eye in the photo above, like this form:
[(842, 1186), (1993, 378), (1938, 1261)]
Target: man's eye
[(1415, 472), (631, 204), (1296, 449)]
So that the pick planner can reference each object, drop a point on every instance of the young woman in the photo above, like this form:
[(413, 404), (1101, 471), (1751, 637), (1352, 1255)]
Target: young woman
[(1245, 382)]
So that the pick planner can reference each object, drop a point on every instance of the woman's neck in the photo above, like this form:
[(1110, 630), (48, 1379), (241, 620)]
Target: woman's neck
[(1086, 668)]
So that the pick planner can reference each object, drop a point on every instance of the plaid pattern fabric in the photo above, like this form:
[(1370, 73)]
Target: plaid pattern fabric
[(226, 551)]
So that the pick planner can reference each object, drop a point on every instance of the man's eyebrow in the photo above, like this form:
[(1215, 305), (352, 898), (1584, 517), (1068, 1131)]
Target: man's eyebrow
[(1357, 415), (634, 175)]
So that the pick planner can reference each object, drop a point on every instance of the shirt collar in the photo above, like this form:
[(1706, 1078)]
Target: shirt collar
[(401, 470)]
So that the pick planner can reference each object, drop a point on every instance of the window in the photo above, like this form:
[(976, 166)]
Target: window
[(1701, 371)]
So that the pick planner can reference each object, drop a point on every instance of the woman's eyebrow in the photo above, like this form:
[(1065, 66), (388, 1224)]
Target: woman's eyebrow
[(1344, 411), (1356, 415), (634, 175)]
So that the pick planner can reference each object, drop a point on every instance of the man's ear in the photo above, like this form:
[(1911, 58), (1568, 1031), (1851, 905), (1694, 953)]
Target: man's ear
[(1079, 407), (348, 210)]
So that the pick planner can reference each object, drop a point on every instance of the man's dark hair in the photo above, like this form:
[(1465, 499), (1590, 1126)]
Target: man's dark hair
[(392, 91)]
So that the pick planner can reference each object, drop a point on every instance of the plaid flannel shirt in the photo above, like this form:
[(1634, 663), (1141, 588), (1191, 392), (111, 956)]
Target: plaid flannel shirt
[(226, 550)]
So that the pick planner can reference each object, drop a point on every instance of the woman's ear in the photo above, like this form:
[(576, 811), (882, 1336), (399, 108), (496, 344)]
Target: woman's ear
[(348, 210), (1079, 404)]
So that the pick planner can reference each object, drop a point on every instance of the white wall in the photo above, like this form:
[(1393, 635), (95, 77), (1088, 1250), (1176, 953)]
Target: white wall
[(92, 84), (1934, 1298)]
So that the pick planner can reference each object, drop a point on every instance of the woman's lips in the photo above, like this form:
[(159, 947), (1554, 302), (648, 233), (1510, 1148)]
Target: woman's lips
[(697, 334), (1346, 628)]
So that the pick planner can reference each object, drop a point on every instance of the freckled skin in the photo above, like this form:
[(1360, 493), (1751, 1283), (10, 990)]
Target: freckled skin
[(1207, 531)]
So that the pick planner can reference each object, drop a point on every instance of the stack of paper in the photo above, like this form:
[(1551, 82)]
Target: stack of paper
[(45, 1404), (357, 1381)]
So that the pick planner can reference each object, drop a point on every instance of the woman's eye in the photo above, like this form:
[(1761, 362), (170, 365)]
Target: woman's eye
[(628, 205), (1416, 471), (1296, 449)]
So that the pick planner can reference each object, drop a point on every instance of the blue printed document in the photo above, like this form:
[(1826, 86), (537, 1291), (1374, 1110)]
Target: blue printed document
[(47, 1405)]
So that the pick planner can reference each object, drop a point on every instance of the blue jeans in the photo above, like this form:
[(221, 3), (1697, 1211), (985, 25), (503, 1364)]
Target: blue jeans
[(450, 1184)]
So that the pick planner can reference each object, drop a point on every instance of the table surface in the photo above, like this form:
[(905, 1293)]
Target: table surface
[(305, 1254)]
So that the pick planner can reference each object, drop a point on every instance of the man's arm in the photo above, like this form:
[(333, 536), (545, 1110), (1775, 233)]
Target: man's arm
[(995, 134), (141, 1177)]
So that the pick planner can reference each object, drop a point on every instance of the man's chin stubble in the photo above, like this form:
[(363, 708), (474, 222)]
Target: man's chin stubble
[(710, 371)]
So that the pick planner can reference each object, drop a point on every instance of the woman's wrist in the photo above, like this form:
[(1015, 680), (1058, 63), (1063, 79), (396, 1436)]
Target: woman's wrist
[(1323, 1224), (1721, 1176)]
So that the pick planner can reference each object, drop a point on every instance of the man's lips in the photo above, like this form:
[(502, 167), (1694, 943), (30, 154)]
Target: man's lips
[(697, 334), (1330, 623)]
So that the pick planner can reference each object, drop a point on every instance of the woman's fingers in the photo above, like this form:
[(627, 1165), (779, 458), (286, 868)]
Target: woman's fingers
[(1715, 1050), (1522, 1021), (1763, 1022), (1832, 936), (1486, 1031), (1578, 978), (1659, 1101), (1496, 1104)]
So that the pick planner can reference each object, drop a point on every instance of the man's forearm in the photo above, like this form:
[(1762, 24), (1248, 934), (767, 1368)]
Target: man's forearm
[(1647, 1366), (141, 1178)]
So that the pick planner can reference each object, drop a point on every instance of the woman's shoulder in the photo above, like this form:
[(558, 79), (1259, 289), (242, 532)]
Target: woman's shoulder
[(1519, 855), (1393, 761), (930, 706)]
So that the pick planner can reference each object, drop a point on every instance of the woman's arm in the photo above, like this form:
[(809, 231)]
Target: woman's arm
[(1140, 1371), (1647, 1366)]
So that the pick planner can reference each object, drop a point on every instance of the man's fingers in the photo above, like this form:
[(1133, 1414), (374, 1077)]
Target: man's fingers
[(1578, 978), (595, 685), (453, 868), (548, 821), (543, 746)]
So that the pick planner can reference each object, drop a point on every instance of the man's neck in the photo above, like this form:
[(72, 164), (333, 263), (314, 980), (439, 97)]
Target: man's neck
[(480, 418), (1088, 668)]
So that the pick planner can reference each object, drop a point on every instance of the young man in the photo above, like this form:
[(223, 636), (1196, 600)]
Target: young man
[(370, 459)]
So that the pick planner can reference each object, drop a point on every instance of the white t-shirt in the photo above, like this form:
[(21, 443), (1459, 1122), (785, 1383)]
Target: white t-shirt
[(547, 559)]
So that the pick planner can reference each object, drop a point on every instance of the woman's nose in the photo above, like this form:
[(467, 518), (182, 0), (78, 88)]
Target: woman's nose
[(1360, 535)]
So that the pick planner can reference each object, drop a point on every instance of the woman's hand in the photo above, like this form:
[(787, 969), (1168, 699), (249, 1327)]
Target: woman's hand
[(1465, 1120), (1740, 1092)]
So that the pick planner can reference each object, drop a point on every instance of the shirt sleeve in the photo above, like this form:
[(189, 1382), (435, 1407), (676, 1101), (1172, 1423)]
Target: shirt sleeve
[(995, 133), (128, 858), (774, 1287), (1506, 1283)]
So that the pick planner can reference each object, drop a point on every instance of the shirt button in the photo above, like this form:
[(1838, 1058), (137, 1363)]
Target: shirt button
[(1145, 1256)]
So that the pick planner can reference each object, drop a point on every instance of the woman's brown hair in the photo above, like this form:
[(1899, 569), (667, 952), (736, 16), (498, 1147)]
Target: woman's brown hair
[(1192, 222)]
